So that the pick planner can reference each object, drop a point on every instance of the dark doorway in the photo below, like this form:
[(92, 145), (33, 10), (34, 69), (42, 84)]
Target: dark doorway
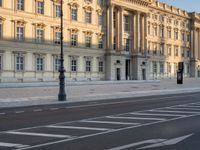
[(127, 69), (118, 72), (143, 74)]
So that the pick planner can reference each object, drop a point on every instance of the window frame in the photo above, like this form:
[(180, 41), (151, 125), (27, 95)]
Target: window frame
[(40, 8)]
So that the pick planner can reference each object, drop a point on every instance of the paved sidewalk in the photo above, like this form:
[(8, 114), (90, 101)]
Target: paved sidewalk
[(26, 94)]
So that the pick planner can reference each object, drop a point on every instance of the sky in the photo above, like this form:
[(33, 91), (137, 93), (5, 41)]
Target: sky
[(188, 5)]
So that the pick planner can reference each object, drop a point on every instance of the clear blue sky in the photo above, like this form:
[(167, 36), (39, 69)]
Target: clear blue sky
[(188, 5)]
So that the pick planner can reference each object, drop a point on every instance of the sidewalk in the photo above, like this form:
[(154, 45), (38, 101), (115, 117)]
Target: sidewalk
[(26, 94)]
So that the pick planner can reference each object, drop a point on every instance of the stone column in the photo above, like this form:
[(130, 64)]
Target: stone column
[(138, 34), (117, 30), (111, 26), (196, 43), (121, 28), (134, 33), (144, 47)]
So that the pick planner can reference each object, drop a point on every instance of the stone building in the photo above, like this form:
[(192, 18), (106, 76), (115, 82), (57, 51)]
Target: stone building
[(103, 40)]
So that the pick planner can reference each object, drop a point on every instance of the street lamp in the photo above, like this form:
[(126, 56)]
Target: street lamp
[(61, 94)]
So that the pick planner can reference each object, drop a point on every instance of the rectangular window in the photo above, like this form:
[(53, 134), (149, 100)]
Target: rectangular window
[(1, 31), (88, 40), (188, 37), (114, 43), (100, 66), (20, 4), (100, 20), (1, 3), (39, 35), (74, 14), (1, 62), (127, 45), (57, 10), (19, 63), (101, 2), (176, 35), (169, 68), (169, 51), (40, 7), (176, 51), (161, 67), (56, 64), (126, 23), (73, 65), (88, 17), (182, 52), (162, 49), (183, 36), (87, 65), (39, 64), (169, 34), (155, 31), (175, 67), (57, 38), (162, 32), (188, 53), (100, 42), (154, 67), (20, 33), (73, 40)]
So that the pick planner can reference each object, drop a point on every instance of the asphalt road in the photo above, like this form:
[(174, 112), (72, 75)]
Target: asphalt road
[(170, 122)]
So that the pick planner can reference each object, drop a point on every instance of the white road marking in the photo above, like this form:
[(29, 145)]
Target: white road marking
[(39, 134), (168, 111), (81, 128), (136, 118), (152, 114), (2, 144), (137, 144), (110, 122), (19, 112), (183, 108), (106, 132), (37, 110), (54, 108), (167, 142), (190, 106), (2, 113)]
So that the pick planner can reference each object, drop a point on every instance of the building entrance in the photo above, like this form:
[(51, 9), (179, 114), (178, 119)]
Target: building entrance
[(127, 69), (143, 74), (118, 73)]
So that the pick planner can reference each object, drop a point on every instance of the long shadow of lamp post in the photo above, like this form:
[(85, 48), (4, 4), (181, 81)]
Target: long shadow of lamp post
[(61, 94)]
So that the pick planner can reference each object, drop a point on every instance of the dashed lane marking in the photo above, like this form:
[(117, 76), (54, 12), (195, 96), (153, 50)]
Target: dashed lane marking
[(39, 134), (19, 112), (154, 114), (184, 108), (109, 122), (168, 111), (135, 118), (81, 128), (37, 110), (2, 144)]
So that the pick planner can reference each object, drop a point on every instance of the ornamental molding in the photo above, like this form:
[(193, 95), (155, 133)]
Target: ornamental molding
[(73, 30), (88, 32), (73, 4), (56, 28), (39, 25), (19, 22)]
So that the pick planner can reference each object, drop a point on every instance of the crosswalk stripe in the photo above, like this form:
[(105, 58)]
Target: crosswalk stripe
[(136, 118), (153, 114), (81, 128), (169, 111), (3, 144), (38, 134), (190, 106), (110, 122), (183, 108)]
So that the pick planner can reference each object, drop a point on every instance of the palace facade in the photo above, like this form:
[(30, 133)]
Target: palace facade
[(103, 40)]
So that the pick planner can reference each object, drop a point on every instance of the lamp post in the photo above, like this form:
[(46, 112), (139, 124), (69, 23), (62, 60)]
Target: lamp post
[(61, 94)]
